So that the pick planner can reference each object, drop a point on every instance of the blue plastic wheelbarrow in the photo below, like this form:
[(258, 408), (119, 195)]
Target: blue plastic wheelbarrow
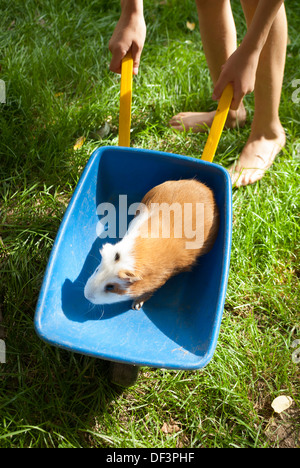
[(179, 326)]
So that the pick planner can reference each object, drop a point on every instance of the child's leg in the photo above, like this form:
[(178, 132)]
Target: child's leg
[(218, 36), (267, 136)]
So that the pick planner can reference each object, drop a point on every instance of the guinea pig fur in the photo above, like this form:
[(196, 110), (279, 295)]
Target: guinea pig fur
[(151, 251)]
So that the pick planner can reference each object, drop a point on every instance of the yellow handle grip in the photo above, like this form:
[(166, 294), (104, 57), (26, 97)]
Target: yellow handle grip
[(218, 124), (125, 100)]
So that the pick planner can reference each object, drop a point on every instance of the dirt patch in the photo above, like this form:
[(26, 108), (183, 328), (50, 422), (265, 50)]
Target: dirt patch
[(283, 430)]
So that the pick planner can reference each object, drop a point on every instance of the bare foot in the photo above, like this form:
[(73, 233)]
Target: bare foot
[(257, 156), (201, 121)]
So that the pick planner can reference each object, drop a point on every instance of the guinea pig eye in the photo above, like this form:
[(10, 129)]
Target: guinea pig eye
[(109, 287)]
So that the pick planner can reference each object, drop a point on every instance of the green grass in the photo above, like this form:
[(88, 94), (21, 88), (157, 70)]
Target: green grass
[(55, 63)]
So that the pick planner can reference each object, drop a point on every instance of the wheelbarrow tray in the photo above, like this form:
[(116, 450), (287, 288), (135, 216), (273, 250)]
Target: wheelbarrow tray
[(178, 327)]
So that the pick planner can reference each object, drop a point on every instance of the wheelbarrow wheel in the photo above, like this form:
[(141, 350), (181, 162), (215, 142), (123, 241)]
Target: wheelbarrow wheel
[(123, 374)]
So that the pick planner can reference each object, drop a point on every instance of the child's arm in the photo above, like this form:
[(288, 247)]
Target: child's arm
[(129, 34), (240, 68)]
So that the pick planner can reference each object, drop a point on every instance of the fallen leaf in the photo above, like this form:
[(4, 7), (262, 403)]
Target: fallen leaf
[(170, 428), (281, 403), (79, 143), (190, 26)]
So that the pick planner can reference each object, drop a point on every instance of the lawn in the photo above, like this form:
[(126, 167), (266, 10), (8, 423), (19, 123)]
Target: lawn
[(61, 104)]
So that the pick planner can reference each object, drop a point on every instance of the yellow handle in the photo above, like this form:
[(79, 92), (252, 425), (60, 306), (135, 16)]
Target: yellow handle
[(125, 100), (218, 124)]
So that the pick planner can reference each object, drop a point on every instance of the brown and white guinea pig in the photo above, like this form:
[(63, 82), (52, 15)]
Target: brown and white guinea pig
[(176, 222)]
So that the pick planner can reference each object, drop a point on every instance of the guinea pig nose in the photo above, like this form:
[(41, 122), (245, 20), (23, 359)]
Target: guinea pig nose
[(89, 295), (91, 298)]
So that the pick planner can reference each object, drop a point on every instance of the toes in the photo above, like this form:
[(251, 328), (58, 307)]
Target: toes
[(246, 177), (177, 119), (241, 178), (194, 121), (177, 123), (237, 179), (255, 176), (235, 175), (137, 305)]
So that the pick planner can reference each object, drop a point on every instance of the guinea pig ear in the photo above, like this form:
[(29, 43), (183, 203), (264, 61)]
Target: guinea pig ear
[(128, 275)]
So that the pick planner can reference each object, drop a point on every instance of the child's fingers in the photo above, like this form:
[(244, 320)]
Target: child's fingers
[(119, 53), (219, 87), (237, 97), (238, 94), (136, 52), (116, 60), (114, 68)]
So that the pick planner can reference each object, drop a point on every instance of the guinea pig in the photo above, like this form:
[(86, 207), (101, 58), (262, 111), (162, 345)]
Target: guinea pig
[(175, 223)]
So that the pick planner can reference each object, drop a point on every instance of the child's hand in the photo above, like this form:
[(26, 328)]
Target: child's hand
[(240, 71), (129, 34)]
